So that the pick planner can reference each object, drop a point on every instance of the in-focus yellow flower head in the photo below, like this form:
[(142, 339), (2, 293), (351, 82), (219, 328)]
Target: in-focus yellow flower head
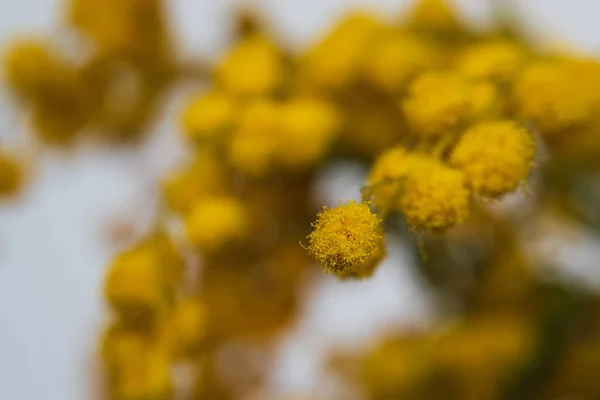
[(11, 175), (308, 127), (434, 196), (214, 222), (345, 237), (396, 58), (207, 116), (134, 285), (255, 139), (368, 268), (204, 176), (497, 60), (338, 59), (495, 157), (438, 102), (556, 95), (252, 68)]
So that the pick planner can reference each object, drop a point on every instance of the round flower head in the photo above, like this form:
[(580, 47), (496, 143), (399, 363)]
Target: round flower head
[(497, 60), (186, 327), (307, 128), (396, 58), (438, 102), (134, 285), (207, 116), (434, 16), (214, 222), (556, 96), (345, 237), (366, 269), (386, 176), (434, 196), (252, 68), (495, 157), (338, 59), (255, 139)]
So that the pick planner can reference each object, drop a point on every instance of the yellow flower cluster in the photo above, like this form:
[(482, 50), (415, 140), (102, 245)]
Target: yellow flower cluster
[(444, 118)]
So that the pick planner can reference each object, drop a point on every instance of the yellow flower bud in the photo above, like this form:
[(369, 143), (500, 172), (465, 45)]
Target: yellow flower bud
[(214, 222), (438, 102), (338, 59), (385, 179), (434, 196), (207, 116), (435, 16), (134, 284), (497, 60), (308, 127), (186, 327), (252, 68), (495, 157), (557, 95), (345, 237), (396, 58), (255, 140)]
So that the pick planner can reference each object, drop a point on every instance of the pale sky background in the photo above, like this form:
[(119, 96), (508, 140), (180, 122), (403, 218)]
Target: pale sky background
[(53, 246)]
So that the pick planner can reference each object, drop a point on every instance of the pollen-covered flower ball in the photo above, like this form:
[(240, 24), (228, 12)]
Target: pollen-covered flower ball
[(345, 237), (495, 157)]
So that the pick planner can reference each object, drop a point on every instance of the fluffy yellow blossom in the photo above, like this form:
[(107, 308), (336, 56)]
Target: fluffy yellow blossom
[(11, 175), (308, 127), (138, 366), (495, 157), (438, 102), (434, 16), (134, 285), (345, 237), (338, 59), (497, 60), (252, 68), (216, 221), (207, 116), (132, 28), (396, 58), (368, 268), (31, 68), (387, 175), (557, 95), (434, 196), (255, 139), (186, 327)]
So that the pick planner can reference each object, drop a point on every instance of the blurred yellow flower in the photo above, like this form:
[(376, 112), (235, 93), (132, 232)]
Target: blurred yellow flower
[(208, 115)]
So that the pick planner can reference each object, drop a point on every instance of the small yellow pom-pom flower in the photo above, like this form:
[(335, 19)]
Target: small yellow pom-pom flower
[(308, 127), (207, 116), (385, 179), (134, 284), (338, 59), (555, 96), (434, 196), (396, 58), (216, 221), (11, 175), (345, 237), (255, 139), (366, 269), (438, 102), (495, 157), (205, 176), (252, 68), (434, 16), (186, 327), (497, 60)]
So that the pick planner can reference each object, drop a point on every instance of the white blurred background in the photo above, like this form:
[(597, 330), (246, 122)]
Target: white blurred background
[(54, 240)]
